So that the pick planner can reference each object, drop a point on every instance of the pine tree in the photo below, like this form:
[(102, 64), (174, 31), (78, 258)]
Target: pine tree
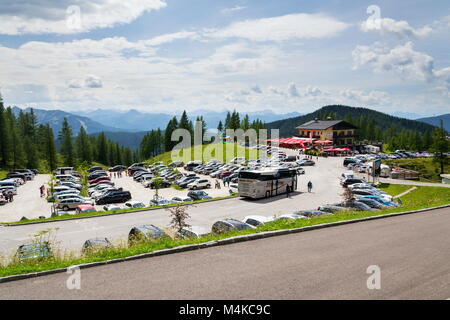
[(440, 146), (66, 143), (83, 146)]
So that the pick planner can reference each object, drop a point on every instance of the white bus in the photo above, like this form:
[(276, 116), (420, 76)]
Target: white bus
[(257, 184)]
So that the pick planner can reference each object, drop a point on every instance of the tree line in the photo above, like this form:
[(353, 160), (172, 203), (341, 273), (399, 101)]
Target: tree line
[(157, 141), (26, 144)]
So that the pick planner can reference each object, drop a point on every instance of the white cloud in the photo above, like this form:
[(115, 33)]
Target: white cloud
[(282, 28), (401, 29), (292, 90), (62, 17), (402, 60), (372, 98), (233, 9), (170, 37), (93, 82)]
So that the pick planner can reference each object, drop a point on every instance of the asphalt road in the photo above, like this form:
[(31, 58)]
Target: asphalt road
[(411, 251), (72, 234)]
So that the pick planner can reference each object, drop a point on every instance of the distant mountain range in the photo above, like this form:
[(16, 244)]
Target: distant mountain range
[(129, 127), (134, 120), (56, 117), (383, 120), (435, 121)]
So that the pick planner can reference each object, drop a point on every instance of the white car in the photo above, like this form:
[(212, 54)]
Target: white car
[(74, 196), (181, 199), (111, 207), (8, 189), (199, 184), (134, 205), (257, 221), (101, 192), (291, 216)]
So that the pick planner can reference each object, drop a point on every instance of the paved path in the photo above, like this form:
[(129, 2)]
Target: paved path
[(413, 183), (72, 234), (411, 251), (27, 202)]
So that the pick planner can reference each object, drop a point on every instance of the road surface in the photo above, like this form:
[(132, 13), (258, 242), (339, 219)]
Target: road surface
[(411, 251)]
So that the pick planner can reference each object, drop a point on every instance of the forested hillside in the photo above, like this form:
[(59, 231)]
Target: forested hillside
[(373, 125)]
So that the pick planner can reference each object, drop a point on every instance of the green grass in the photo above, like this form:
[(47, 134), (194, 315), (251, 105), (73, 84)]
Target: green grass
[(421, 198), (3, 174), (229, 150), (429, 171)]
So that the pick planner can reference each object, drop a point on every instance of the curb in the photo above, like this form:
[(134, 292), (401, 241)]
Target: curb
[(222, 242), (109, 214)]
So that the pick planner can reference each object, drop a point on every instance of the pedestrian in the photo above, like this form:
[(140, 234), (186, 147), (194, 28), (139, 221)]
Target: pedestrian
[(310, 186), (288, 190), (10, 196), (41, 189)]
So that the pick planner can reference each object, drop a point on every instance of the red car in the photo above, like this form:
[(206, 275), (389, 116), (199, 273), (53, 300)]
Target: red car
[(99, 179), (225, 174)]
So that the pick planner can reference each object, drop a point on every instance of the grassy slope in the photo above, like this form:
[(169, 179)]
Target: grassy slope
[(421, 198), (429, 171), (230, 151), (3, 174)]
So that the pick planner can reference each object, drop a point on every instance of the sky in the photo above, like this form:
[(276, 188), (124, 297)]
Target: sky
[(249, 55)]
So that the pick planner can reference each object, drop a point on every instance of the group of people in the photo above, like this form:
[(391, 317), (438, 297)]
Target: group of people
[(289, 189), (8, 195), (117, 174)]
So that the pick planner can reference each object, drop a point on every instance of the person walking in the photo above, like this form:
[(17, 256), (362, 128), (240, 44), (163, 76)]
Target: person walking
[(288, 191), (310, 186), (41, 189), (10, 196)]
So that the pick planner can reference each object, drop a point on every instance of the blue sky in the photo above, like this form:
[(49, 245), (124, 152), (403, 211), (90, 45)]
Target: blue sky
[(166, 56)]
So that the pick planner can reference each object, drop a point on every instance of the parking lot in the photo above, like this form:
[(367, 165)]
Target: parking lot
[(27, 202), (144, 195), (72, 234)]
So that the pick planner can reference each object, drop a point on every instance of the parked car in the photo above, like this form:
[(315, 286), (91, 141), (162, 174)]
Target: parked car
[(350, 181), (71, 184), (100, 179), (114, 197), (117, 168), (313, 213), (257, 221), (85, 209), (306, 162), (34, 251), (290, 216), (332, 208), (199, 184), (358, 206), (97, 244), (159, 202), (198, 195), (134, 204), (373, 203), (181, 200), (227, 225), (71, 203), (145, 233), (176, 164), (95, 168), (162, 184), (192, 232), (382, 200), (183, 183)]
